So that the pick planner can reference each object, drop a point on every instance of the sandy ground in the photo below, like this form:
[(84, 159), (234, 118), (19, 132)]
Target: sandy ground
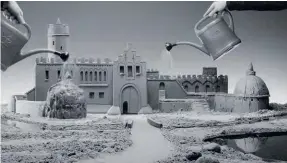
[(51, 140), (191, 131)]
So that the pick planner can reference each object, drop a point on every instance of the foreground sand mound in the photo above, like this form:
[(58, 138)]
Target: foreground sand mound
[(65, 100)]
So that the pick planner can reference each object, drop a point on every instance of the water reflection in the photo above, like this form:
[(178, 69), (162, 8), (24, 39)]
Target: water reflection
[(273, 148), (250, 145)]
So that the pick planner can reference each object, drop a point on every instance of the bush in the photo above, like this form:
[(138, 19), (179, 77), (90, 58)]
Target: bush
[(277, 107)]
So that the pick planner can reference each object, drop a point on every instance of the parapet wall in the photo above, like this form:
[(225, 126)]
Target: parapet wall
[(190, 78), (82, 61)]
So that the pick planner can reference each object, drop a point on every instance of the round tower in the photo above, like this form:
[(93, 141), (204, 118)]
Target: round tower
[(58, 37)]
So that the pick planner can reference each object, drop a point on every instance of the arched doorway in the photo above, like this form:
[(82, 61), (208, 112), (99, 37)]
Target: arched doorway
[(125, 107), (130, 100), (161, 86)]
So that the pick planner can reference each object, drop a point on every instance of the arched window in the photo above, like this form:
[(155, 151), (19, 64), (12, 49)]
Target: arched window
[(186, 87), (207, 88), (100, 76), (96, 75), (82, 76), (61, 47), (86, 75), (218, 88), (105, 75), (53, 42), (196, 89), (91, 76), (161, 86)]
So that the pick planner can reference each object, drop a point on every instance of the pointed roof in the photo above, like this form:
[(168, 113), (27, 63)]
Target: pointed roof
[(58, 21), (250, 70)]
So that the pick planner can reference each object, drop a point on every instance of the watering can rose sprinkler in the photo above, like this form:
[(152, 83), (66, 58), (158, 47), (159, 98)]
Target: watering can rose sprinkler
[(13, 40), (217, 37)]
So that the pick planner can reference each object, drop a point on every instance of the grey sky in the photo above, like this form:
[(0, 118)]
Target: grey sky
[(101, 29)]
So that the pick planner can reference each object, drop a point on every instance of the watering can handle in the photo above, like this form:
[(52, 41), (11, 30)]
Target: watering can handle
[(231, 25), (28, 35)]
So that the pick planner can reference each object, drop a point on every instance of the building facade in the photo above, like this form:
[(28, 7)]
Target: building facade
[(126, 82)]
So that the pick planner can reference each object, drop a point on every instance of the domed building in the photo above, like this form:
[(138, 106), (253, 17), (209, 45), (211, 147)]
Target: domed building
[(251, 93)]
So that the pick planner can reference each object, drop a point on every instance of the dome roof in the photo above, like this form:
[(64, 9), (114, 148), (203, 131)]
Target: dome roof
[(251, 85)]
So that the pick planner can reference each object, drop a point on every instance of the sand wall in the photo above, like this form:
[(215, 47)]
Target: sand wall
[(28, 107)]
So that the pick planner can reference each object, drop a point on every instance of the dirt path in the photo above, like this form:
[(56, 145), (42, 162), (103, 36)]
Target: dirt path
[(149, 145)]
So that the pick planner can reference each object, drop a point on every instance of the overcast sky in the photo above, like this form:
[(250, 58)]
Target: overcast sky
[(102, 29)]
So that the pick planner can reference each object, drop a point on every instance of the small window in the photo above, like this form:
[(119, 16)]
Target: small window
[(86, 76), (96, 75), (138, 69), (105, 76), (161, 86), (92, 95), (71, 73), (101, 94), (100, 76), (53, 42), (47, 75), (91, 76), (196, 89), (82, 76), (61, 47), (59, 74), (207, 88), (122, 69), (130, 71), (186, 87)]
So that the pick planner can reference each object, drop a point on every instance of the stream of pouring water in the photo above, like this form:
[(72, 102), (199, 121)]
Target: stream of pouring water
[(166, 63)]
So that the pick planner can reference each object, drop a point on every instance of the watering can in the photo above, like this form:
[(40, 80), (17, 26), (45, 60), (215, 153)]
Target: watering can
[(217, 36), (12, 42)]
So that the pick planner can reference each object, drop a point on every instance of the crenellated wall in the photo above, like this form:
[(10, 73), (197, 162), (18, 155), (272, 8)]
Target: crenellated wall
[(92, 75)]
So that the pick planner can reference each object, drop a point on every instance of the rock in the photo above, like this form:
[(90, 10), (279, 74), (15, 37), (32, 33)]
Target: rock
[(71, 154), (114, 110), (65, 100), (193, 156), (206, 160), (212, 147)]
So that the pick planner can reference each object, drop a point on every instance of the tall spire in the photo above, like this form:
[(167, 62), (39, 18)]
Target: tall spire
[(250, 70), (58, 21)]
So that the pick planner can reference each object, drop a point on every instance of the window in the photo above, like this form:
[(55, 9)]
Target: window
[(96, 75), (47, 75), (91, 76), (130, 71), (86, 76), (186, 88), (53, 42), (101, 94), (92, 95), (100, 76), (59, 74), (196, 89), (61, 47), (138, 69), (207, 88), (218, 88), (105, 75), (161, 86), (71, 73), (82, 76), (122, 69)]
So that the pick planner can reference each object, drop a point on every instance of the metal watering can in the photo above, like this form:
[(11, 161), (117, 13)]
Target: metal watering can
[(12, 42), (217, 37)]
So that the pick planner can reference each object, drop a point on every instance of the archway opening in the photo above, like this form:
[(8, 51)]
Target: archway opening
[(125, 107), (161, 86)]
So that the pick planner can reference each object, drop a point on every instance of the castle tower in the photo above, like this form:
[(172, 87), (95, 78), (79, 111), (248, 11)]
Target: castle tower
[(58, 37)]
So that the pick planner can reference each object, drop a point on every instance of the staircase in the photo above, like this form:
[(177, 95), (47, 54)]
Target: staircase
[(200, 105)]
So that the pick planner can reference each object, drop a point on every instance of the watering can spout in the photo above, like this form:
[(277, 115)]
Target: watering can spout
[(63, 55), (169, 46)]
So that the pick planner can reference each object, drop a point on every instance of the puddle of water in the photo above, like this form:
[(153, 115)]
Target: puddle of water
[(265, 147)]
